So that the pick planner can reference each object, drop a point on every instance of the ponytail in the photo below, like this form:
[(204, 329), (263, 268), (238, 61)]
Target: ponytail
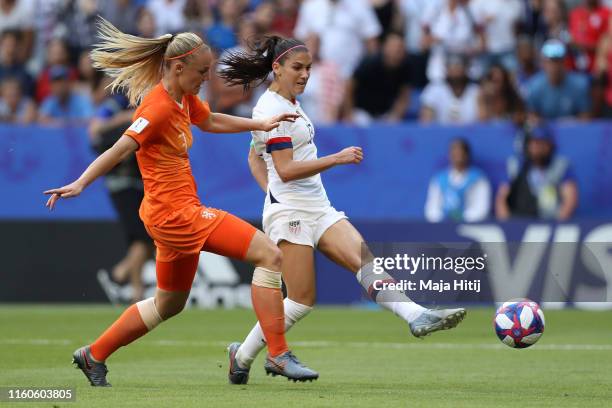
[(136, 63), (251, 68)]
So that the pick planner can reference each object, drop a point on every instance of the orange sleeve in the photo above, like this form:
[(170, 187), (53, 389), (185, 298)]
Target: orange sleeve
[(198, 111), (146, 124)]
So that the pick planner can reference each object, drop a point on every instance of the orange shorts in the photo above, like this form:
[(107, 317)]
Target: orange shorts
[(181, 237)]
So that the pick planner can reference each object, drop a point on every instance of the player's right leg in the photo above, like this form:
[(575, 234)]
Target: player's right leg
[(251, 245), (174, 279), (344, 245), (299, 277)]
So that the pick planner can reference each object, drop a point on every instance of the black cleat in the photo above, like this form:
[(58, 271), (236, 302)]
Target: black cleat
[(94, 371)]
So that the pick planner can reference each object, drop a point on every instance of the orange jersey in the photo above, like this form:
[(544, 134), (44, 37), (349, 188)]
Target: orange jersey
[(162, 130)]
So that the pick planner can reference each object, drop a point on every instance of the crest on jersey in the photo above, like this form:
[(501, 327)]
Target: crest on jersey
[(294, 227)]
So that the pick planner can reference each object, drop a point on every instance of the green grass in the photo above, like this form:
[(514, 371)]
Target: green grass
[(365, 358)]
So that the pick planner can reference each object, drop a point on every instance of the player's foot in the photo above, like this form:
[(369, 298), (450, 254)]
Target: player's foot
[(289, 366), (237, 374), (433, 320), (94, 371)]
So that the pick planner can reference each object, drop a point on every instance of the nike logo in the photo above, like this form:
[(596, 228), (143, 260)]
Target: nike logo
[(87, 364)]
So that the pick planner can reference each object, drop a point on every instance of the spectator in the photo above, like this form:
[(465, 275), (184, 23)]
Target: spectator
[(121, 13), (198, 14), (556, 93), (80, 25), (64, 106), (543, 186), (286, 17), (500, 19), (322, 98), (57, 54), (603, 75), (389, 17), (19, 15), (222, 34), (14, 106), (527, 63), (455, 30), (344, 30), (498, 98), (461, 192), (380, 87), (48, 16), (554, 14), (588, 23), (454, 101), (10, 41), (263, 16), (233, 99), (168, 15), (126, 189), (417, 15), (145, 23)]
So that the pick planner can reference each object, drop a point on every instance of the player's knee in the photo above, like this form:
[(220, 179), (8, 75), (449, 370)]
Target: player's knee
[(272, 258), (170, 308)]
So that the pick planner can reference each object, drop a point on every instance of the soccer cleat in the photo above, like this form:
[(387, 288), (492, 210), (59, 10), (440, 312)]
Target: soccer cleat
[(289, 366), (94, 371), (433, 320), (236, 374)]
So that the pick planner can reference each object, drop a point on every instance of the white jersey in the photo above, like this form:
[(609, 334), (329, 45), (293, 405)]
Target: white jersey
[(299, 135)]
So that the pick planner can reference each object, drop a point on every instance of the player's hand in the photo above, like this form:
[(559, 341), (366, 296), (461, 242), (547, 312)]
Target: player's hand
[(71, 190), (273, 122), (350, 155)]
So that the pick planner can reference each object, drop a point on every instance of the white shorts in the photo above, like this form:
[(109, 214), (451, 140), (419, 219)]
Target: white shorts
[(302, 225)]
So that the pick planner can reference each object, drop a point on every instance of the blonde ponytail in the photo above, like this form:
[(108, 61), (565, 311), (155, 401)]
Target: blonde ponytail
[(136, 63)]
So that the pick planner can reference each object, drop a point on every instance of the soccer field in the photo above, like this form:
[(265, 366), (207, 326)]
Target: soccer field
[(365, 358)]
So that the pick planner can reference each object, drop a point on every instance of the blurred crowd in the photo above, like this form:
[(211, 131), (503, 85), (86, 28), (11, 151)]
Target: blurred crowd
[(440, 61)]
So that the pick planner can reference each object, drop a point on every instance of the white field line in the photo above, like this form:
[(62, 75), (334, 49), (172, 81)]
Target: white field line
[(416, 345)]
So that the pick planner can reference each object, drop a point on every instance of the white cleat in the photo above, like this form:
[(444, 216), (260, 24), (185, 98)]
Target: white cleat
[(433, 320)]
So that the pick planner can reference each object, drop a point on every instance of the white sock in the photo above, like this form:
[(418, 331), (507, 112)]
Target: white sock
[(255, 341), (395, 301)]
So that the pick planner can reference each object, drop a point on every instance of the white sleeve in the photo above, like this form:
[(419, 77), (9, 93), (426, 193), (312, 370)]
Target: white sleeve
[(433, 205), (369, 27), (477, 201)]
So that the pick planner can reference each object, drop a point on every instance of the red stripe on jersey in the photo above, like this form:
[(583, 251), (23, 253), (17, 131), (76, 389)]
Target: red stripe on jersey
[(275, 140)]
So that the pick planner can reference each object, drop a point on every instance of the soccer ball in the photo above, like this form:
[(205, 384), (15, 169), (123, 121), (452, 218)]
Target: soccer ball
[(519, 323)]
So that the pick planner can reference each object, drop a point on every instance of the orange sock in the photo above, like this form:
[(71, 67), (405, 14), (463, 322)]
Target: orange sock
[(268, 305), (125, 330)]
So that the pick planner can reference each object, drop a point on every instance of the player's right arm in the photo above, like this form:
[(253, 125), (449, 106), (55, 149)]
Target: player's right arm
[(258, 168), (289, 169), (105, 162)]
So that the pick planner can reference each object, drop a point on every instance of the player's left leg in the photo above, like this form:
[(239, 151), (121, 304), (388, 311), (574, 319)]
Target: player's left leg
[(299, 277), (251, 245), (344, 245), (174, 279)]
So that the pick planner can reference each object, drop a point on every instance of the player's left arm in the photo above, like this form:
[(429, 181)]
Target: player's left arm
[(222, 123)]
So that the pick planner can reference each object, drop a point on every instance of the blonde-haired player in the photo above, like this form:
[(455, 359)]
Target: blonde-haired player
[(164, 74)]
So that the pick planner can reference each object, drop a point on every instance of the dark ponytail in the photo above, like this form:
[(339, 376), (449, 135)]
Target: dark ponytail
[(251, 68)]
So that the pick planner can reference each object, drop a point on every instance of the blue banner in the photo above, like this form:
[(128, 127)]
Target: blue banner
[(391, 183), (562, 263)]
